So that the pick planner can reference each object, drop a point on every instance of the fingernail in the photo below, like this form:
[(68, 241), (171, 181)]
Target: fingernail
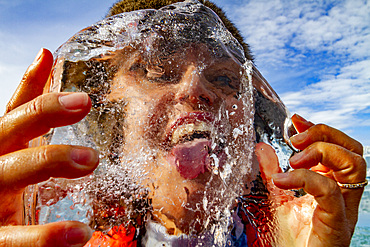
[(74, 101), (280, 176), (38, 56), (78, 236), (85, 157), (299, 138)]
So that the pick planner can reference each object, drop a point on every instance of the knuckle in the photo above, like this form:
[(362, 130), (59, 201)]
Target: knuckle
[(301, 173), (322, 127), (329, 187), (355, 163), (36, 106), (2, 125), (3, 168), (45, 155), (53, 158), (10, 105), (332, 188), (359, 165), (15, 236), (359, 147), (322, 130), (318, 147), (4, 237)]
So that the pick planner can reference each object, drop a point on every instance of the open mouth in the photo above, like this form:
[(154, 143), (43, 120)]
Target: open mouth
[(194, 125), (189, 143), (190, 132)]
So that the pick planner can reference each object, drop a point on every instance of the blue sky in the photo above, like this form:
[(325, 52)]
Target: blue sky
[(315, 54)]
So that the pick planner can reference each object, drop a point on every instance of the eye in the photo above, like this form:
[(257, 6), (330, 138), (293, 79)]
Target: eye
[(138, 67), (226, 81), (154, 74), (223, 81), (161, 72)]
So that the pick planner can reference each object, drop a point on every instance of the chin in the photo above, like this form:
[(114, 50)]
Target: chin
[(179, 203)]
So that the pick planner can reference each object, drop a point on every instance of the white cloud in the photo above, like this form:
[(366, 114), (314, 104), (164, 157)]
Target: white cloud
[(306, 26), (324, 43), (336, 101), (344, 29)]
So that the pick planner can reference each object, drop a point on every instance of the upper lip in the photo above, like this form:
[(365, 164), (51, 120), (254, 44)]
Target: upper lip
[(203, 121)]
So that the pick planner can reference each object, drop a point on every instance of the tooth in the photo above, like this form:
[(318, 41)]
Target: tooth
[(189, 129), (175, 136)]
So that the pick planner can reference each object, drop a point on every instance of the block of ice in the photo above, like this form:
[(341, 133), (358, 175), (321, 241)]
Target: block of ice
[(177, 111)]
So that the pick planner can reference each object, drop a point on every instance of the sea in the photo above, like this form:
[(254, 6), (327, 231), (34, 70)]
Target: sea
[(361, 237)]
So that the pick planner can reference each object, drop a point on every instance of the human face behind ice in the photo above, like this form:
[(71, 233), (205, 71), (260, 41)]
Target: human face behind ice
[(182, 109)]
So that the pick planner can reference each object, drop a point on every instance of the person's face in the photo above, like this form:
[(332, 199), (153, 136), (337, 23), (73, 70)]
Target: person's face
[(181, 113)]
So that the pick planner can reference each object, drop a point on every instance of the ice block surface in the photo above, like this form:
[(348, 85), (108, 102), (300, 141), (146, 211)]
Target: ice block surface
[(175, 116)]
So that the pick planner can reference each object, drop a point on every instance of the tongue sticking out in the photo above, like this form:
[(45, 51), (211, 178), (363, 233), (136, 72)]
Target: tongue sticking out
[(191, 158)]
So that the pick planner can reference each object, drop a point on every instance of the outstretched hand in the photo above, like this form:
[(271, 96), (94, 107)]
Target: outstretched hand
[(327, 215), (30, 114)]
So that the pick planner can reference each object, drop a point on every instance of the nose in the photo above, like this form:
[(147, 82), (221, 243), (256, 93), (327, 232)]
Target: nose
[(194, 89)]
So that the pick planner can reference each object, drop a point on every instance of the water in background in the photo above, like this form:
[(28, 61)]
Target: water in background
[(361, 236)]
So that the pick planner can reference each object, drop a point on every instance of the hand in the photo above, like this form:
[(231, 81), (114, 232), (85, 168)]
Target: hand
[(327, 215), (29, 115)]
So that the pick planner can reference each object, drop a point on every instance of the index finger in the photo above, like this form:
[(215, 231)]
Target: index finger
[(322, 133), (36, 117)]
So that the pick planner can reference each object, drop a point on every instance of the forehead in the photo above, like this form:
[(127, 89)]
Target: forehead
[(199, 54), (183, 32)]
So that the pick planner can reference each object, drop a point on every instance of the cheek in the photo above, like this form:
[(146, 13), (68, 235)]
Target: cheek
[(236, 112), (155, 114), (136, 118)]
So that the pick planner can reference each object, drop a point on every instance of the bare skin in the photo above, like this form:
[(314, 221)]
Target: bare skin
[(331, 218), (198, 89), (327, 215), (30, 115)]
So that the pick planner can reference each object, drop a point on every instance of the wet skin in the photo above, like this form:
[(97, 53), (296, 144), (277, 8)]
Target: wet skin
[(191, 88), (336, 156)]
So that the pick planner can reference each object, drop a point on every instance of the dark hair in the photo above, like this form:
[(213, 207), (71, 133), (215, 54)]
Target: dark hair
[(131, 5)]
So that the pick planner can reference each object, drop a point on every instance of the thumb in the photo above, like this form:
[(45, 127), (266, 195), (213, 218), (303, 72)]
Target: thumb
[(269, 165), (68, 233), (268, 161)]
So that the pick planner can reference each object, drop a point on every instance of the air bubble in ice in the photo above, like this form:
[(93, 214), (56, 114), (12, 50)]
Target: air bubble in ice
[(121, 189)]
